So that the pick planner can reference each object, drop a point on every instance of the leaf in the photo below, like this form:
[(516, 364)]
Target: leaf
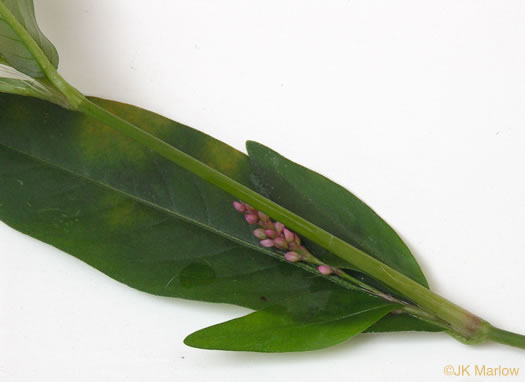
[(84, 188), (333, 208), (298, 324), (13, 50)]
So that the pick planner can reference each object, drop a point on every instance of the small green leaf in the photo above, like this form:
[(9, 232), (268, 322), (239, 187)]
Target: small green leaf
[(333, 208), (12, 48), (298, 324)]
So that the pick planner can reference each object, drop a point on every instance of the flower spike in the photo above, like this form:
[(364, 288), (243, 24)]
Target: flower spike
[(276, 235)]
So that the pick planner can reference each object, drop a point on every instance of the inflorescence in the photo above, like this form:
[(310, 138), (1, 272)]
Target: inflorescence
[(276, 235)]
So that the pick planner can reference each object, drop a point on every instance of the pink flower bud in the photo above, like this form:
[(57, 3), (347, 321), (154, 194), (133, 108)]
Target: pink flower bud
[(251, 218), (325, 269), (267, 225), (267, 243), (271, 233), (239, 206), (297, 239), (288, 235), (259, 233), (279, 227), (264, 218), (292, 257), (280, 243)]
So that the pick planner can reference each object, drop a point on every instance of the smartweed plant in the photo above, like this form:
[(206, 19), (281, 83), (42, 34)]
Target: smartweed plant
[(171, 211)]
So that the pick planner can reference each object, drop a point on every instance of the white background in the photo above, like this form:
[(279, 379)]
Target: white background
[(416, 106)]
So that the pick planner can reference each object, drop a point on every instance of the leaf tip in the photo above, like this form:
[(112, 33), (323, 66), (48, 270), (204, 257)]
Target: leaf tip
[(252, 146), (192, 340)]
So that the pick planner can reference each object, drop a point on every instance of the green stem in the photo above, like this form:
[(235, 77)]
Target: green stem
[(504, 337), (460, 320)]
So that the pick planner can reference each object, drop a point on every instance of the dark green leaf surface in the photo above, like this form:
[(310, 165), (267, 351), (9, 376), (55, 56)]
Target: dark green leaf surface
[(142, 220), (297, 325), (86, 189), (333, 208), (13, 50)]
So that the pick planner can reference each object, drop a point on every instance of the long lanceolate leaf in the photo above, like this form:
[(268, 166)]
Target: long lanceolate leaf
[(14, 50), (80, 186)]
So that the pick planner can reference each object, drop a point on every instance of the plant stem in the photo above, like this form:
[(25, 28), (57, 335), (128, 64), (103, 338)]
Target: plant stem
[(463, 322), (504, 337)]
